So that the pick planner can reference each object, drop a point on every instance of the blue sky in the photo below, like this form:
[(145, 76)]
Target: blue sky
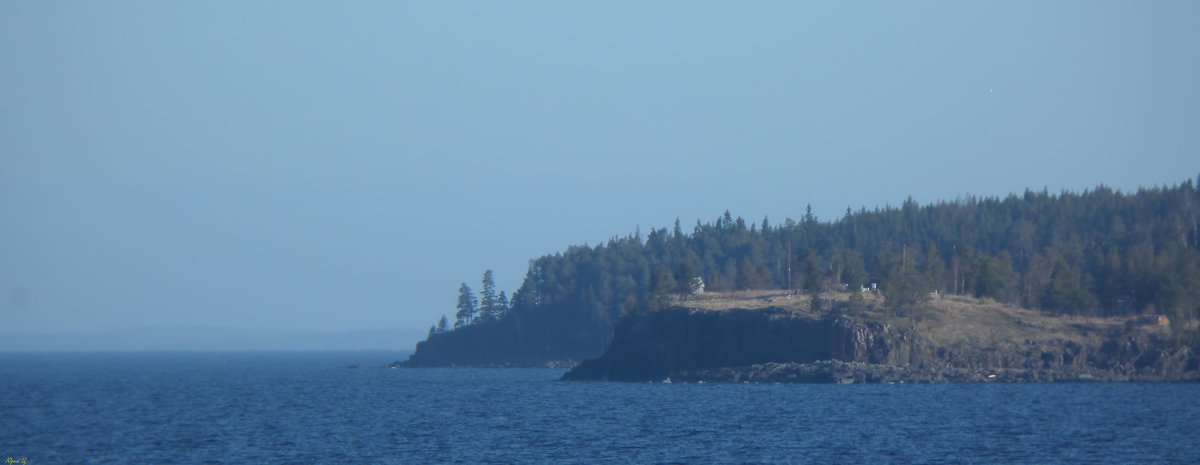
[(340, 166)]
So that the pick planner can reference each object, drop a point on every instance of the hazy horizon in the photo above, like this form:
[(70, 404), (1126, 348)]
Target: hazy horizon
[(343, 167), (212, 338)]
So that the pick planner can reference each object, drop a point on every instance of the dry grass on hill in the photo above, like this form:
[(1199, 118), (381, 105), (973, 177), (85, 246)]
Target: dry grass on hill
[(946, 321), (759, 299), (743, 300), (961, 320)]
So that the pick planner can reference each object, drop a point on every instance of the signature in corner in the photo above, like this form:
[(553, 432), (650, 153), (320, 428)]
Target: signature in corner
[(21, 460)]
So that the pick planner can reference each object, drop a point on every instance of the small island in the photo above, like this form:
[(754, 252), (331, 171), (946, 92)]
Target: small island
[(1094, 286)]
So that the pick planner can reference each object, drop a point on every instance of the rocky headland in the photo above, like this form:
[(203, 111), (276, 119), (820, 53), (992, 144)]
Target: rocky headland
[(779, 339)]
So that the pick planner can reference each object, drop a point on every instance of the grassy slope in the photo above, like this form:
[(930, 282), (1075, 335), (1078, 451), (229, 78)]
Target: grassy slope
[(949, 321)]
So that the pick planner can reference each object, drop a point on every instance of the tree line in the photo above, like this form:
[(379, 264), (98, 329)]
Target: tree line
[(487, 307), (1100, 252)]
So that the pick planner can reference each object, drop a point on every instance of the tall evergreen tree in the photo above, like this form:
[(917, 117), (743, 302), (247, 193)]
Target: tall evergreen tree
[(809, 218), (747, 275), (1068, 293), (933, 268), (663, 282), (812, 272), (903, 286), (996, 279), (468, 308), (502, 305), (854, 273), (488, 308)]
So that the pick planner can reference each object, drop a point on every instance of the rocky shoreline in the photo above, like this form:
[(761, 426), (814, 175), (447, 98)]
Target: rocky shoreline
[(841, 372), (777, 346)]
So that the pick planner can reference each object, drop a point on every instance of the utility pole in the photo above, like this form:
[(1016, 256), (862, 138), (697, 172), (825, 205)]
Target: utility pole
[(789, 266), (954, 250)]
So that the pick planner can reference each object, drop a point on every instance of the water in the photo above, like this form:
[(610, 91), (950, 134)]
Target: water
[(296, 407)]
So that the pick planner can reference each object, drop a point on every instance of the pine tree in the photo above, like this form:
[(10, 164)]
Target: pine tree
[(903, 286), (443, 324), (488, 310), (1068, 292), (812, 272), (501, 305), (662, 283), (809, 218), (933, 268), (467, 307)]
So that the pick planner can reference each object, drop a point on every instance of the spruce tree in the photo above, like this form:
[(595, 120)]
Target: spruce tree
[(467, 307), (854, 272), (488, 310), (501, 305)]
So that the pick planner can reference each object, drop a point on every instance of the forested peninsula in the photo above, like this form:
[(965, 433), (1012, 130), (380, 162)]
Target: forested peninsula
[(1093, 285)]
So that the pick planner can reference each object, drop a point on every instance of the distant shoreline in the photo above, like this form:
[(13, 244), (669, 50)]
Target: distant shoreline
[(209, 338)]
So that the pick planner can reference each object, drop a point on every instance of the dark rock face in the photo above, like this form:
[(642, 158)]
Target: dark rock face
[(773, 345), (545, 338), (654, 346)]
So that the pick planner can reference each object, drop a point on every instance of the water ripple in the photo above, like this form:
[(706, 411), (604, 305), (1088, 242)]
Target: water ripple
[(309, 408)]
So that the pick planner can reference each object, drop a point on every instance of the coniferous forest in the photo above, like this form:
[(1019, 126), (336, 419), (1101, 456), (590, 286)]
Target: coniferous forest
[(1096, 253)]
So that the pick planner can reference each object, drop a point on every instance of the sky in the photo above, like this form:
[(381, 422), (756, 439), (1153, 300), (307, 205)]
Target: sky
[(338, 166)]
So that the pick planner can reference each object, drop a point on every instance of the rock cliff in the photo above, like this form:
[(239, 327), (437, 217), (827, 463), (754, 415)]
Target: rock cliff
[(776, 344)]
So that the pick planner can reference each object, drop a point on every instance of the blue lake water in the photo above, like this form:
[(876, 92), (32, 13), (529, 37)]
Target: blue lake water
[(308, 407)]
